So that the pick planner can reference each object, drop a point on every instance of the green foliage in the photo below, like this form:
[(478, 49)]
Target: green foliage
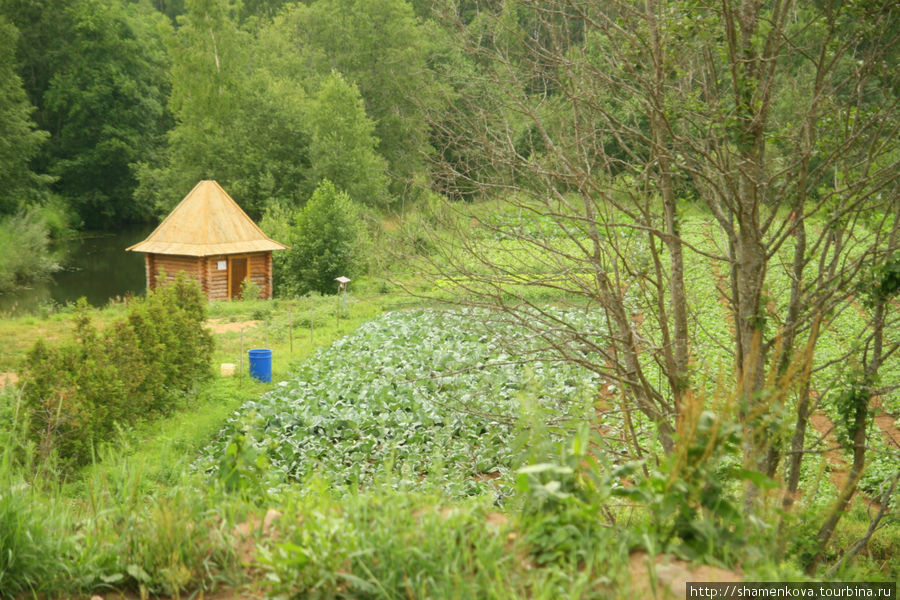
[(411, 396), (161, 543), (326, 242), (78, 391), (379, 47), (693, 496), (277, 223), (388, 543), (563, 502), (882, 466), (25, 253), (97, 71), (235, 121), (250, 290), (342, 148), (851, 405), (883, 283), (241, 468), (32, 555), (58, 218), (19, 185)]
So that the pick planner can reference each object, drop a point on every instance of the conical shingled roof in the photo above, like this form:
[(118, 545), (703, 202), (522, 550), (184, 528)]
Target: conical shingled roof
[(206, 223)]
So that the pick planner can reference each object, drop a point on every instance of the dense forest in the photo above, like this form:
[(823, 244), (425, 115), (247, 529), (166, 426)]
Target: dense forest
[(663, 239), (112, 110), (115, 108)]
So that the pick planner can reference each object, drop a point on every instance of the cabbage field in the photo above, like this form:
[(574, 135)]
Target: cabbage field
[(452, 400), (425, 398)]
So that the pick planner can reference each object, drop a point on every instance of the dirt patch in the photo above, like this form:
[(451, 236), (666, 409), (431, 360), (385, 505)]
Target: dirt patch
[(247, 533), (390, 224), (221, 326), (888, 427), (497, 520), (667, 577), (8, 379), (823, 425)]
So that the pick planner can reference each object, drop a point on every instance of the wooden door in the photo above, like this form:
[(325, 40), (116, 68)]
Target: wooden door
[(237, 273)]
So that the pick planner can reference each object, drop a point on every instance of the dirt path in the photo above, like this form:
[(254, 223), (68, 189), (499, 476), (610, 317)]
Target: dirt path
[(8, 379), (888, 427), (222, 326), (825, 428), (665, 577), (886, 423)]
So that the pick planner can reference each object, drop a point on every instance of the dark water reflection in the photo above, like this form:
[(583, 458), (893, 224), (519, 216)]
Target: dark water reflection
[(96, 267)]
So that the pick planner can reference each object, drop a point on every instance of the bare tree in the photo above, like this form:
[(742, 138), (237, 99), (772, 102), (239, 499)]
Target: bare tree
[(608, 121)]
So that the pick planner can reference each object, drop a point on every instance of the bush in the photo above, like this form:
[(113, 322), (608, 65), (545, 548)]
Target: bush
[(327, 240), (76, 392), (277, 223), (24, 250), (250, 290)]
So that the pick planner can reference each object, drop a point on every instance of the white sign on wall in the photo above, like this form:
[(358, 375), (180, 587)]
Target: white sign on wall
[(223, 265)]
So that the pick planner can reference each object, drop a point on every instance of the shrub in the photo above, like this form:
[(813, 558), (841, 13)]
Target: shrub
[(326, 242), (24, 250), (77, 391), (250, 290), (277, 223)]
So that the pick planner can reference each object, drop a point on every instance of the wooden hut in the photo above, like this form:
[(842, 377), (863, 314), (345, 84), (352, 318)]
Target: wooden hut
[(209, 237)]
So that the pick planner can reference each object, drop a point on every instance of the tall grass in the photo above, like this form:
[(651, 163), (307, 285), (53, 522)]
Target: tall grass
[(32, 554), (389, 543), (115, 533)]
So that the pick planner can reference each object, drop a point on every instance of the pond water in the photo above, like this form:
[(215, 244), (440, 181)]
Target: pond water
[(96, 267)]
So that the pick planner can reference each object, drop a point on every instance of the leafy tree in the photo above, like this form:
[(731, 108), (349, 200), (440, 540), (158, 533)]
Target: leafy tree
[(780, 119), (170, 8), (379, 46), (236, 122), (342, 146), (19, 139), (326, 242), (25, 252), (97, 72)]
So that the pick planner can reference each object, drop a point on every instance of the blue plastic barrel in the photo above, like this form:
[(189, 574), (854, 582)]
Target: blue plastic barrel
[(261, 364)]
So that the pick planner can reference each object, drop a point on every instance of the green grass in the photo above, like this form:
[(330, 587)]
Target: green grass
[(142, 519), (397, 544), (138, 518)]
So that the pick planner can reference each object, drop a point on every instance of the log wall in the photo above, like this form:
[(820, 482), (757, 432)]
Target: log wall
[(162, 268), (216, 280), (206, 270), (258, 272)]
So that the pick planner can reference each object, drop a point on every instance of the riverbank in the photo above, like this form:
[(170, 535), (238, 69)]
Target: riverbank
[(91, 265)]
